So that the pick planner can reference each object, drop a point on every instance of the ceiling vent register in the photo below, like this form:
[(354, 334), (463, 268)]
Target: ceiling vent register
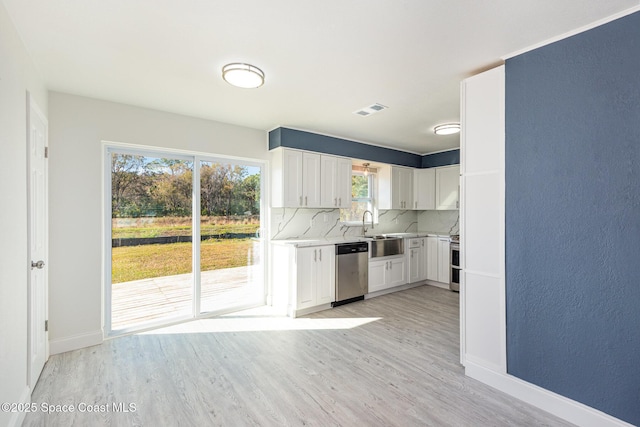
[(369, 110)]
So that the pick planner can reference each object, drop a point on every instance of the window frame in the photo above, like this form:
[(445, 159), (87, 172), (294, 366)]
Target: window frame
[(370, 200)]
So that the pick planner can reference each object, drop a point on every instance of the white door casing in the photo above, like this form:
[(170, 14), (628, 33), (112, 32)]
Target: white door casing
[(37, 342)]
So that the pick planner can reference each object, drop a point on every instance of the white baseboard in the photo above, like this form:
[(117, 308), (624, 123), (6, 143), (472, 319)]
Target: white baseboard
[(75, 342), (394, 289), (437, 284), (17, 418), (560, 406)]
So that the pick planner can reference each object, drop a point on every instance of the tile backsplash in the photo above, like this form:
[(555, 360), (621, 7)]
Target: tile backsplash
[(301, 223)]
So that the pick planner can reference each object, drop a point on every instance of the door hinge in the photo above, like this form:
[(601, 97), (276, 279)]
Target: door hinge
[(46, 326), (46, 152)]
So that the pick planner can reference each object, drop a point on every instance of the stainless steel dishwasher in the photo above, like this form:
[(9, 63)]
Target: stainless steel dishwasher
[(352, 272)]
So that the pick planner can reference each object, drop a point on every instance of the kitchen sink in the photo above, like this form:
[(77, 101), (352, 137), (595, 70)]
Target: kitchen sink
[(382, 245)]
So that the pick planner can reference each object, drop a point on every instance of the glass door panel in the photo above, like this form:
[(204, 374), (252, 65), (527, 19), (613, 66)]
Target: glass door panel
[(151, 234), (231, 269)]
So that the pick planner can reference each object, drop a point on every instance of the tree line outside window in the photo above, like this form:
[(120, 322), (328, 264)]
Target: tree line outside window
[(154, 187)]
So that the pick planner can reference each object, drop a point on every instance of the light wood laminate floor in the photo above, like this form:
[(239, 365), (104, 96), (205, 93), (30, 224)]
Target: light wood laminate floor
[(387, 361)]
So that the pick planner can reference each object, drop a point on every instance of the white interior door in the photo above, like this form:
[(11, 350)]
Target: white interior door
[(38, 231)]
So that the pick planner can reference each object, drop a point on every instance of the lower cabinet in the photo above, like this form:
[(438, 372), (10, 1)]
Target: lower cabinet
[(444, 265), (387, 272), (304, 277), (416, 251), (438, 259), (315, 276)]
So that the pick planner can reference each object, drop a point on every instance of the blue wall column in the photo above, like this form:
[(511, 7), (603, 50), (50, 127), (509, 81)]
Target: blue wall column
[(573, 217)]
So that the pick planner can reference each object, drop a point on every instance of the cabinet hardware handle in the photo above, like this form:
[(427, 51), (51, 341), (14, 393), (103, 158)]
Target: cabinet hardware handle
[(335, 202), (339, 201), (390, 265), (320, 253), (315, 254), (39, 265), (300, 200), (305, 201)]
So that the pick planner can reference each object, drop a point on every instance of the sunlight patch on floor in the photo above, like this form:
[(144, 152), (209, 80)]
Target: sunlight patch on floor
[(258, 323)]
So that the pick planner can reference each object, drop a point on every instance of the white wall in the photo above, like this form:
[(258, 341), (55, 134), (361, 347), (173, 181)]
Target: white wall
[(17, 76), (77, 127)]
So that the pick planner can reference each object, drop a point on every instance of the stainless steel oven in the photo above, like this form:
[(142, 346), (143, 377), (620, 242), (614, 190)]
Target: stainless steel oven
[(454, 283)]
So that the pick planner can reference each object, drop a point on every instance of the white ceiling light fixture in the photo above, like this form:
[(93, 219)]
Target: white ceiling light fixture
[(447, 129), (243, 75)]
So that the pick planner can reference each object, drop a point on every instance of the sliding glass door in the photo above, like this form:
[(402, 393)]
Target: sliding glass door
[(158, 272), (230, 244)]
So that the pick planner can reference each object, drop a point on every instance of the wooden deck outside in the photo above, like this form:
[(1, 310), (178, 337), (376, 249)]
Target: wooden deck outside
[(146, 300)]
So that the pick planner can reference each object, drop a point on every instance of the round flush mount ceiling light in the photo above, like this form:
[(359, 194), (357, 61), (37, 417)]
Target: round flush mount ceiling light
[(243, 75), (447, 129)]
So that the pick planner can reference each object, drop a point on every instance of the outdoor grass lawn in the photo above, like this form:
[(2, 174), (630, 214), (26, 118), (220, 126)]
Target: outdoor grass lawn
[(147, 261)]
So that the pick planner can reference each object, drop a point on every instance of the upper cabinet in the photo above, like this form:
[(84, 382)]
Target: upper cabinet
[(335, 174), (448, 187), (424, 189), (309, 180), (395, 185)]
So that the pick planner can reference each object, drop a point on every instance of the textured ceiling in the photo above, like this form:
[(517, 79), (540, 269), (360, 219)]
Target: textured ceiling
[(323, 60)]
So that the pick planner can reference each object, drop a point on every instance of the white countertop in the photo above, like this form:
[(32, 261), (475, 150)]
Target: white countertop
[(321, 241)]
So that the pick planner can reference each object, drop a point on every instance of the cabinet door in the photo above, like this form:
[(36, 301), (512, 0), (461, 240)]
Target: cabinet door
[(396, 188), (377, 273), (343, 182), (328, 171), (447, 187), (292, 179), (414, 265), (432, 258), (311, 180), (424, 189), (306, 277), (401, 188), (406, 188), (443, 260), (424, 259), (397, 272), (325, 275)]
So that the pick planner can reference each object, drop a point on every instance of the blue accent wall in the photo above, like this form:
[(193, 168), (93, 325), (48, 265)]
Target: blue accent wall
[(291, 138), (445, 158), (573, 217)]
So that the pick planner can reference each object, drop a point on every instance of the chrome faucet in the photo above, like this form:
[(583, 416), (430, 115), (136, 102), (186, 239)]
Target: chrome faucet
[(364, 230)]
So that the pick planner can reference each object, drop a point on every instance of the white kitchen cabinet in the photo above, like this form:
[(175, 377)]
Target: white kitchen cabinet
[(295, 178), (437, 259), (416, 250), (395, 187), (315, 276), (335, 187), (444, 266), (424, 189), (432, 258), (448, 187), (310, 180), (387, 272), (415, 255), (302, 179), (303, 278)]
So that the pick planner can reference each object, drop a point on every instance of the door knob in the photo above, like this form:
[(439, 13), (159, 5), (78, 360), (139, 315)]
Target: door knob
[(39, 265)]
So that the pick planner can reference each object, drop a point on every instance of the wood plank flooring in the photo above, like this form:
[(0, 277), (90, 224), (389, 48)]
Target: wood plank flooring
[(386, 361)]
